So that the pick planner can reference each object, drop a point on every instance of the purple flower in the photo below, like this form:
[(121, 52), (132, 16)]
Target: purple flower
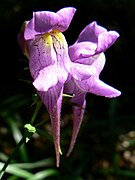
[(89, 49), (42, 41)]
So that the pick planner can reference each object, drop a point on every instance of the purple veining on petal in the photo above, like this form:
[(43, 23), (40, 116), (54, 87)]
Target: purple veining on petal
[(79, 104), (53, 101)]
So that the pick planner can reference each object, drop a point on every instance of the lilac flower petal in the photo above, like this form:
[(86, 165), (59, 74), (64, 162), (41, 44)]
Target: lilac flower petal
[(45, 21), (91, 33), (29, 32), (102, 89), (82, 50), (46, 79), (22, 41), (53, 101), (95, 86), (98, 62), (70, 87), (79, 104), (78, 113), (42, 54), (82, 71), (66, 15), (106, 39), (102, 38), (62, 74)]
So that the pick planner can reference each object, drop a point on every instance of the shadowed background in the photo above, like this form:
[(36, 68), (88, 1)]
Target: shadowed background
[(107, 123)]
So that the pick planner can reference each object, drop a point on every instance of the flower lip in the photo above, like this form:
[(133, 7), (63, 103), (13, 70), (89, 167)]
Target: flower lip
[(45, 21), (82, 50), (98, 36)]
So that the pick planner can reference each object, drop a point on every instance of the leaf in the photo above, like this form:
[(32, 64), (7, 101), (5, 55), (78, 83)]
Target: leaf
[(38, 164), (17, 137), (44, 174), (12, 169)]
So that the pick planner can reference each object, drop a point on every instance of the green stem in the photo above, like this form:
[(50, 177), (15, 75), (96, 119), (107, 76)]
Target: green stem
[(38, 106), (40, 124), (13, 154)]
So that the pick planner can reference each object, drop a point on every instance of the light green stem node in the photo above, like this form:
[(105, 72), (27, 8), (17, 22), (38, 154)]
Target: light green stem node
[(30, 131), (30, 128)]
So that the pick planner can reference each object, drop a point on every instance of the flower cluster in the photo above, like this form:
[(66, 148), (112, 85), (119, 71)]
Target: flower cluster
[(57, 68)]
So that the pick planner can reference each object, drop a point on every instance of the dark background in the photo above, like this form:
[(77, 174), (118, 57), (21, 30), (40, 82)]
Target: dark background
[(108, 122)]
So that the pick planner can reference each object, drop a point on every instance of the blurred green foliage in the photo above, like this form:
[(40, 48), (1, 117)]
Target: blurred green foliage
[(105, 148)]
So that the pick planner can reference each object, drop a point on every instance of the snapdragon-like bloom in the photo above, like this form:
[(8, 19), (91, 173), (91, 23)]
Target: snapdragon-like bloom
[(42, 41), (89, 49)]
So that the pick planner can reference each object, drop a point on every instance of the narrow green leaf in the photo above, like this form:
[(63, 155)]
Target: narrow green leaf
[(17, 137), (44, 174), (44, 134), (12, 169), (38, 106), (38, 164)]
